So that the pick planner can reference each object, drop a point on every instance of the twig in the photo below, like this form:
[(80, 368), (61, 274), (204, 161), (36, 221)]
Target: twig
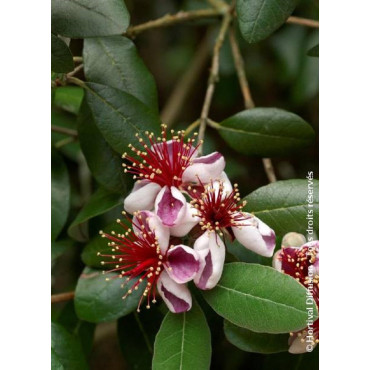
[(239, 65), (64, 130), (77, 59), (303, 22), (213, 77), (75, 81), (76, 70), (248, 101), (170, 19), (62, 297), (182, 16), (65, 141), (183, 87), (192, 127)]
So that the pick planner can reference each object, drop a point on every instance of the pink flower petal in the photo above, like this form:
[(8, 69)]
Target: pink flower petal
[(256, 236), (170, 206), (276, 261), (187, 222), (205, 168), (182, 263), (151, 223), (176, 296), (211, 250), (142, 196)]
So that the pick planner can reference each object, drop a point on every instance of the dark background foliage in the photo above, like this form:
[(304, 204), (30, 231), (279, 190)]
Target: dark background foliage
[(280, 74)]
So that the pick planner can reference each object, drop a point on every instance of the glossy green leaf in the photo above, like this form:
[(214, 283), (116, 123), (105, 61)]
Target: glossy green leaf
[(99, 203), (55, 361), (66, 349), (61, 56), (69, 98), (283, 205), (266, 132), (250, 341), (136, 334), (89, 18), (104, 163), (258, 19), (259, 298), (114, 61), (98, 300), (60, 194), (119, 116), (183, 342), (314, 52)]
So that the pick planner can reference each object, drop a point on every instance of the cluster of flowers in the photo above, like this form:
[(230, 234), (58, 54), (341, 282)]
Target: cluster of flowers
[(180, 194), (301, 261)]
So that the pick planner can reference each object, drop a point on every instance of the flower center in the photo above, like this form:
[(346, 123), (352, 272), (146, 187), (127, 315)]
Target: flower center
[(159, 160), (135, 256), (218, 208)]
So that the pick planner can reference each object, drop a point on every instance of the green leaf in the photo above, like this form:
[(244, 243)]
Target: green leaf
[(258, 19), (260, 299), (183, 342), (66, 350), (250, 341), (55, 361), (266, 132), (119, 116), (283, 205), (104, 163), (98, 244), (97, 300), (136, 334), (89, 18), (60, 194), (69, 98), (114, 61), (61, 56), (100, 202), (314, 52)]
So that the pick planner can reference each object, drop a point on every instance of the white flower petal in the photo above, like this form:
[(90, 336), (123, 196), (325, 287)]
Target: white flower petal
[(176, 296), (186, 223), (256, 236), (142, 196), (211, 250)]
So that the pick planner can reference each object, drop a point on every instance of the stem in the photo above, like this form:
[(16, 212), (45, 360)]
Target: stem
[(77, 59), (75, 71), (303, 22), (62, 297), (170, 19), (183, 87), (192, 127), (239, 66), (64, 130), (63, 142), (248, 101), (76, 81), (213, 77), (219, 9)]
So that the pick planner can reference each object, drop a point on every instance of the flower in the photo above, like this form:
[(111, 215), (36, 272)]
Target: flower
[(301, 261), (219, 209), (163, 170), (143, 251)]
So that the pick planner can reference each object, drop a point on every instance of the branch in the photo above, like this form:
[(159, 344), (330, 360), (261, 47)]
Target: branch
[(64, 130), (303, 22), (183, 87), (170, 19), (62, 297), (213, 77), (248, 101)]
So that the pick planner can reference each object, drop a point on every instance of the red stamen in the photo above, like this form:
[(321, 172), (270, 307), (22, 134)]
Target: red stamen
[(136, 256), (156, 163)]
